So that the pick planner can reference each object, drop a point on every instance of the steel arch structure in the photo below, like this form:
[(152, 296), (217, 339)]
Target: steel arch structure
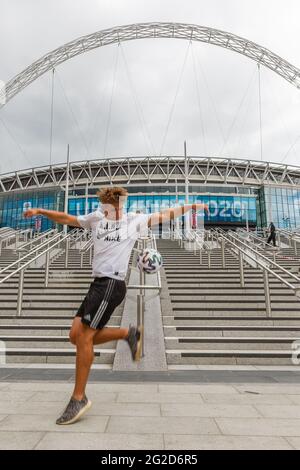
[(143, 171), (150, 30)]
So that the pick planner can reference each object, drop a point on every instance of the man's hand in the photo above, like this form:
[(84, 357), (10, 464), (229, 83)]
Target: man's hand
[(31, 213), (58, 217)]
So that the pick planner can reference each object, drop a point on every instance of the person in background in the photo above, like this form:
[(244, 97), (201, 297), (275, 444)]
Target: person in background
[(272, 236)]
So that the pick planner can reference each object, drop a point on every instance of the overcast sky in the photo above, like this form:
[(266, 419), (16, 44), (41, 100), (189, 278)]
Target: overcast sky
[(96, 94)]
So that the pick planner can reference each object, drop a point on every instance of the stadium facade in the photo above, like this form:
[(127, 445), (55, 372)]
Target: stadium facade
[(238, 192)]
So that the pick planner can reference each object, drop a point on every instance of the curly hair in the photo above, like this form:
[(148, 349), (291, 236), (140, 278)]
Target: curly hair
[(112, 194)]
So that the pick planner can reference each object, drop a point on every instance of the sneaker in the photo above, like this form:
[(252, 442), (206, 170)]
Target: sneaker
[(74, 410), (134, 340)]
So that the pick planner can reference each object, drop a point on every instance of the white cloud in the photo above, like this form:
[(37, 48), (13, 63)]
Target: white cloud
[(30, 28)]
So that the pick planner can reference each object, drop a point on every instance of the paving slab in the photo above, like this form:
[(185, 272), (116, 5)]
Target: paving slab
[(58, 396), (294, 442), (153, 415), (247, 399), (46, 422), (15, 396), (19, 440), (124, 409), (161, 425), (184, 442), (279, 411), (286, 389), (203, 388), (209, 411), (295, 399), (162, 397), (100, 441), (259, 427)]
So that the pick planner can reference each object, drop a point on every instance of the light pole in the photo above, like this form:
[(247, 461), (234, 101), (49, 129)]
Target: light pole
[(67, 186), (186, 177)]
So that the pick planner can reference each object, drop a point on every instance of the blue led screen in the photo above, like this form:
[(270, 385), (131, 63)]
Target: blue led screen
[(222, 209)]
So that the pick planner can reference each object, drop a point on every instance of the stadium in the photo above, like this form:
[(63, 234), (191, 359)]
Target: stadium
[(239, 193), (177, 332)]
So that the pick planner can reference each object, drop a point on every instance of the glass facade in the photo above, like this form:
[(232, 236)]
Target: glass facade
[(13, 204), (233, 210), (232, 206), (280, 206)]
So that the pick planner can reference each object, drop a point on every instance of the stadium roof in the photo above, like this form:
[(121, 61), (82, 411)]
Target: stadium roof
[(153, 170)]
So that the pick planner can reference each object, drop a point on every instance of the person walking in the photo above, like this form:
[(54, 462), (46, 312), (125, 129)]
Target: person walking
[(272, 236)]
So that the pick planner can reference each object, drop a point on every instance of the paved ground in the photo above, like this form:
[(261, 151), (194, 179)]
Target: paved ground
[(153, 415)]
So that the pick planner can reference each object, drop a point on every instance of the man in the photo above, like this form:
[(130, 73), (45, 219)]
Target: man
[(114, 235), (272, 236)]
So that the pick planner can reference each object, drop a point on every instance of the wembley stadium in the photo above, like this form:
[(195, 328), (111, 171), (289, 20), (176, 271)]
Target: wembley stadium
[(239, 193)]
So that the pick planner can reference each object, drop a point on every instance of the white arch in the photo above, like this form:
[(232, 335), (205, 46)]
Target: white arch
[(150, 30)]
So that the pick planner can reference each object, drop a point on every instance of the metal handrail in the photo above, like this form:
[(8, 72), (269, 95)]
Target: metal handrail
[(87, 247), (203, 246), (276, 265), (7, 233), (25, 257), (255, 238), (252, 255), (142, 287), (21, 269), (286, 233), (37, 239), (291, 236)]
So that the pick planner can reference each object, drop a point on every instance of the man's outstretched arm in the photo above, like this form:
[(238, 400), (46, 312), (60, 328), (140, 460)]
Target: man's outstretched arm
[(171, 214), (59, 217)]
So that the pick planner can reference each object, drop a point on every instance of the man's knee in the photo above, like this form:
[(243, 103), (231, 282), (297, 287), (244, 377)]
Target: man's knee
[(72, 336), (76, 325), (85, 335)]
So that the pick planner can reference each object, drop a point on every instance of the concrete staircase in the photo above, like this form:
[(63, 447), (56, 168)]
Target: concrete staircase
[(7, 257), (40, 335), (209, 319)]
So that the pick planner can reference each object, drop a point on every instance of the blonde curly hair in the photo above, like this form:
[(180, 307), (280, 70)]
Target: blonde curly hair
[(112, 194)]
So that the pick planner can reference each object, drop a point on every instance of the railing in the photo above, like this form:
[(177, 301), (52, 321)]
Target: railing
[(292, 237), (7, 234), (27, 262), (29, 255), (257, 241), (143, 243), (87, 247), (38, 240), (268, 266)]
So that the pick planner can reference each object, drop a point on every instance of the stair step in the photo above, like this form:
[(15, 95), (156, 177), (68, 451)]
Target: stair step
[(229, 357), (53, 356), (236, 343), (230, 331), (54, 342), (232, 320)]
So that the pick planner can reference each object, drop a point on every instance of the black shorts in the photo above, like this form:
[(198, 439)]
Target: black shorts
[(104, 295)]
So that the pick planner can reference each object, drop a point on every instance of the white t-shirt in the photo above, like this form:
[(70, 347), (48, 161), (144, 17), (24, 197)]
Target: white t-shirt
[(113, 241)]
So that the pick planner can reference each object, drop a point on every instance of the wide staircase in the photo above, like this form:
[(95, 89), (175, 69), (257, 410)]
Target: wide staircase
[(7, 257), (41, 333), (210, 319), (213, 320)]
